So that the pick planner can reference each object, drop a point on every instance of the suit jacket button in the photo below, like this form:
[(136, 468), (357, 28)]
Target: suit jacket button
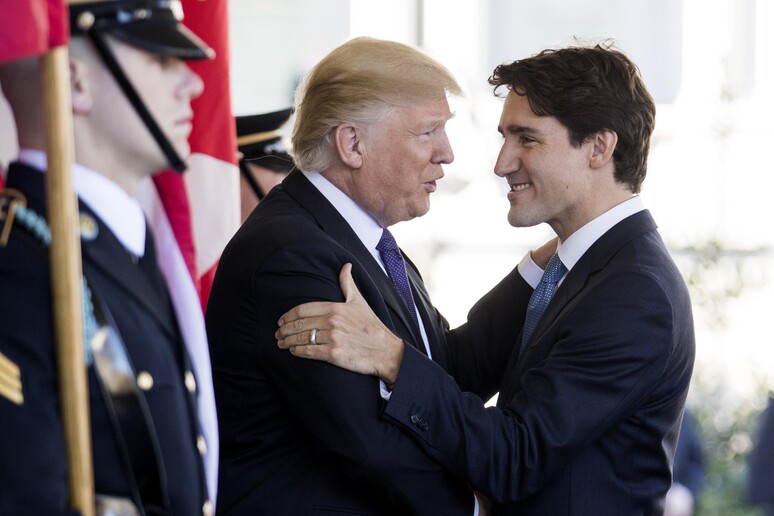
[(419, 421), (145, 381)]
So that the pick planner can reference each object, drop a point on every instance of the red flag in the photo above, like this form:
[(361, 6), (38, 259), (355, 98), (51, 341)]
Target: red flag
[(211, 183), (194, 215), (31, 27)]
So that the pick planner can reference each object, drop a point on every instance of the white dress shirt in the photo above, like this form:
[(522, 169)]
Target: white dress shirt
[(364, 225), (120, 212), (576, 245)]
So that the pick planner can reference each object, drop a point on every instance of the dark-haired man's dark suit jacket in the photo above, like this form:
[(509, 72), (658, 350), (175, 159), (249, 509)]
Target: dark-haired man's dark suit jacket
[(299, 436), (588, 413), (33, 464)]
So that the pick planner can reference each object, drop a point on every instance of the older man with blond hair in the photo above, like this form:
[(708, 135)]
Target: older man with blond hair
[(301, 437)]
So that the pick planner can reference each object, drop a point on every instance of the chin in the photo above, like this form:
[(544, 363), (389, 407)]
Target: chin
[(517, 221), (183, 150)]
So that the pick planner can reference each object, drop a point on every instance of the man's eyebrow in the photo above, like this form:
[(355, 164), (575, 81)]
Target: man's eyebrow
[(436, 123), (517, 129)]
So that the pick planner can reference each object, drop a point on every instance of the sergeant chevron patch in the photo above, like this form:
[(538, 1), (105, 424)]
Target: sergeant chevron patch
[(10, 381)]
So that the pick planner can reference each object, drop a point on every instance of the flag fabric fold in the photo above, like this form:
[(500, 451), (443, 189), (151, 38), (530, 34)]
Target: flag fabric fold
[(32, 27)]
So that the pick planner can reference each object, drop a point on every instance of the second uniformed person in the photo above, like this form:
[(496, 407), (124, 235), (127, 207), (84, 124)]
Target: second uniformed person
[(131, 95), (264, 160)]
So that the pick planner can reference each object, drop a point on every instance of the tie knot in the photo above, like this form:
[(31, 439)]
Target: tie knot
[(554, 270), (387, 242)]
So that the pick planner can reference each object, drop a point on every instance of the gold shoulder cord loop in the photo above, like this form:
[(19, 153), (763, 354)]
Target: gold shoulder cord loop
[(9, 200)]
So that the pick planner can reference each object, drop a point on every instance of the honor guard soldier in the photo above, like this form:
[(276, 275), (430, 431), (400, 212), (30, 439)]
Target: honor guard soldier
[(131, 95), (263, 156)]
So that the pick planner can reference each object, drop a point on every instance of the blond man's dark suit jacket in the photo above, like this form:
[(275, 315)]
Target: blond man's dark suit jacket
[(589, 411), (299, 436)]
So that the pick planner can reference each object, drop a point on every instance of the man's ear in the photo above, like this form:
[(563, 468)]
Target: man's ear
[(79, 88), (604, 143), (347, 139)]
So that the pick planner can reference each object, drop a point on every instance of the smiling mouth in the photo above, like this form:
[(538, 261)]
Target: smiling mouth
[(518, 187)]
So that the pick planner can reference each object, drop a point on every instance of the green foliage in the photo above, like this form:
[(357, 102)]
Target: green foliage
[(727, 428), (727, 424)]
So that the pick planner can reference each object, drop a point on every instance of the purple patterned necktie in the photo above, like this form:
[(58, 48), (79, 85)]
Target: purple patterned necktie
[(396, 270), (542, 295)]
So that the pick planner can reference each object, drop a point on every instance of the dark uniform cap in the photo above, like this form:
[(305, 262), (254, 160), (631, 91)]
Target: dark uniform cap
[(260, 141), (151, 25)]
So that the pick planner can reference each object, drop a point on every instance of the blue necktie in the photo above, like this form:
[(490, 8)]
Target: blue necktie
[(396, 270), (542, 295)]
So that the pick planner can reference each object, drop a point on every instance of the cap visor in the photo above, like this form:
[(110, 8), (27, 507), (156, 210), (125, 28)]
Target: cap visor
[(164, 38)]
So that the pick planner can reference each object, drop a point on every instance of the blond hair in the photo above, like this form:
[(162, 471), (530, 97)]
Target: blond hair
[(361, 82)]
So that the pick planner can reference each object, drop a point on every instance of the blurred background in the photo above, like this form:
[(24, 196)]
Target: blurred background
[(708, 65)]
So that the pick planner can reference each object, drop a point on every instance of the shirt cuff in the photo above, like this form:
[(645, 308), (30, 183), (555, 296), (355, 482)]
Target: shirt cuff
[(383, 391), (530, 271), (475, 507)]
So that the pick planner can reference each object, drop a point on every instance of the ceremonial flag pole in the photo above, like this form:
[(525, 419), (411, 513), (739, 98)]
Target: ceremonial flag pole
[(66, 278), (41, 28)]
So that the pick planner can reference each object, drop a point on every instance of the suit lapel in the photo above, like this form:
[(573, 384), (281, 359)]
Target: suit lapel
[(332, 223), (436, 335), (592, 261)]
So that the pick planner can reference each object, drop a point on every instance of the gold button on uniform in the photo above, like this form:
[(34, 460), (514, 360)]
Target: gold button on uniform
[(145, 381), (207, 508), (201, 445), (190, 382)]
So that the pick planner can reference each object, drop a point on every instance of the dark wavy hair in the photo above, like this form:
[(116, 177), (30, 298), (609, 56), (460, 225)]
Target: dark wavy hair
[(589, 89)]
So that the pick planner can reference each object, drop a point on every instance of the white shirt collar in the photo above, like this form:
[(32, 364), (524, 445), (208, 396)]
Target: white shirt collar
[(571, 250), (120, 212), (364, 225)]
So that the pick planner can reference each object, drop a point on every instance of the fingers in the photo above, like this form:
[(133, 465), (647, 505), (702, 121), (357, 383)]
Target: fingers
[(348, 287), (302, 338), (307, 310), (311, 352), (321, 308), (542, 254), (301, 327)]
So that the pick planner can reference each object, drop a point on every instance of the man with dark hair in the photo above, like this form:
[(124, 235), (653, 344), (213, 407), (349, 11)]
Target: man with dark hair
[(555, 84), (131, 97), (592, 385)]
